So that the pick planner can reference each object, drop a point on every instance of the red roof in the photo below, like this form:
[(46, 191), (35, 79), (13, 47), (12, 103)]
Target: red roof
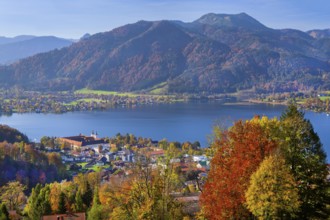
[(156, 153), (82, 140), (67, 216)]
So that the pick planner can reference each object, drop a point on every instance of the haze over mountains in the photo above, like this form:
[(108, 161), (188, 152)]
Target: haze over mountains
[(216, 53), (13, 49)]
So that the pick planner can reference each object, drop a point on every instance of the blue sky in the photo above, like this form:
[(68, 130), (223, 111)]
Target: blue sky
[(74, 18)]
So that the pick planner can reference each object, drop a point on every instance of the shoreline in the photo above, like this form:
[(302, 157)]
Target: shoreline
[(85, 105), (254, 101)]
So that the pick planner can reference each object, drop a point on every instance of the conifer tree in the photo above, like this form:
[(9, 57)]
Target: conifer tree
[(79, 205), (61, 204), (303, 151), (87, 196), (39, 202), (96, 211), (4, 214), (32, 208), (43, 201)]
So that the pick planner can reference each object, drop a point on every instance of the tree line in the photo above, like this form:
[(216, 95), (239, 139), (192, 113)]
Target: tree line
[(147, 194), (23, 163)]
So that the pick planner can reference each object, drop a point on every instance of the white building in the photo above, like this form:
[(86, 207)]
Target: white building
[(198, 158)]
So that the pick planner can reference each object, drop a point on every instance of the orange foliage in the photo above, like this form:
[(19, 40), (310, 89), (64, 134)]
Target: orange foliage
[(240, 150), (54, 195), (115, 192)]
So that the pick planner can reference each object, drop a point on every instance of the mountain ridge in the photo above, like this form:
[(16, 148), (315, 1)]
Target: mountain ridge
[(241, 20), (19, 47), (217, 53), (6, 40)]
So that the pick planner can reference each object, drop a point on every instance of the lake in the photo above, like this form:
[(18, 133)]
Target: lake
[(191, 121)]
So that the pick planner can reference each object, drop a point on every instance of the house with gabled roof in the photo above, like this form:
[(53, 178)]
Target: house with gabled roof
[(83, 142)]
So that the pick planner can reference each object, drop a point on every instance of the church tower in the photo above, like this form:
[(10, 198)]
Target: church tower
[(94, 134)]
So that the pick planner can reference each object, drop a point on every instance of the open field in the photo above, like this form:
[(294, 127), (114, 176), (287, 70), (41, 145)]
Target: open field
[(96, 168), (103, 92), (323, 98), (158, 89)]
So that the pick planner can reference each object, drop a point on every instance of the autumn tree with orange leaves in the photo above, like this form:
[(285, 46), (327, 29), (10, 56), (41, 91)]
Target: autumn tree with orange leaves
[(238, 153)]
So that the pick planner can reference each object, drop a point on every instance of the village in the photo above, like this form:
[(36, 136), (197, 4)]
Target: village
[(20, 101), (115, 157), (104, 162)]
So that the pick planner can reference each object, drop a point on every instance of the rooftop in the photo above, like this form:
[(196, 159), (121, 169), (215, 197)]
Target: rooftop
[(82, 140)]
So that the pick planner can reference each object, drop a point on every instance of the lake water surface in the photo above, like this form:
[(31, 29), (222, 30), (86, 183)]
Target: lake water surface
[(176, 122)]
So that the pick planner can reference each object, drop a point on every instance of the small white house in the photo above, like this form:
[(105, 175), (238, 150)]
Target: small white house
[(198, 158), (203, 164), (66, 158), (175, 160), (100, 163)]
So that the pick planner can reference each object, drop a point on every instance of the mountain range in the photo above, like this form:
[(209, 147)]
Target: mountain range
[(216, 53), (13, 49)]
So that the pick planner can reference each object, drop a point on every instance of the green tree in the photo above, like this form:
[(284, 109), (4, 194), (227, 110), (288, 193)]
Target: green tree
[(84, 187), (272, 193), (96, 212), (43, 200), (196, 145), (38, 202), (61, 204), (32, 207), (173, 151), (87, 196), (163, 144), (47, 141), (303, 151), (79, 204), (4, 214)]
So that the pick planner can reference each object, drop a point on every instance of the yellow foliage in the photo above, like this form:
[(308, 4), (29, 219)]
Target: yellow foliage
[(192, 188), (54, 195), (272, 192)]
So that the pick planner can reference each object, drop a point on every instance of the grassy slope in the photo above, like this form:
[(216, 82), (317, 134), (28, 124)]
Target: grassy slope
[(161, 88), (101, 92)]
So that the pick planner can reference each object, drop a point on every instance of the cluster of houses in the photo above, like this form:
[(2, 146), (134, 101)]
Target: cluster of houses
[(91, 148), (97, 151)]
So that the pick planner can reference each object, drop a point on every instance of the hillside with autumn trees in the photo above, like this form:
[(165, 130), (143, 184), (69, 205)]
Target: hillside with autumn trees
[(217, 53), (21, 161), (11, 135), (24, 163)]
